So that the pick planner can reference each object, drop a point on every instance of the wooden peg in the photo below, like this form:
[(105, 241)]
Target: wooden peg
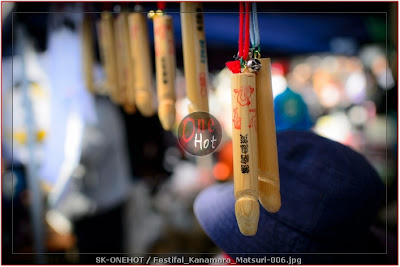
[(87, 53), (110, 62), (194, 55), (268, 174), (244, 138), (164, 45), (124, 63), (102, 88), (142, 72)]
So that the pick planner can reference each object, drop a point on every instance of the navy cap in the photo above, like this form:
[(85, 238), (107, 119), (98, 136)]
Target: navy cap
[(330, 196)]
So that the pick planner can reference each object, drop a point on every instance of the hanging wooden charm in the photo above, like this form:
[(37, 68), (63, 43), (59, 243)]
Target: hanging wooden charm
[(244, 138), (195, 56), (256, 174), (87, 52), (268, 176), (164, 45), (142, 73), (124, 64), (102, 88), (109, 55)]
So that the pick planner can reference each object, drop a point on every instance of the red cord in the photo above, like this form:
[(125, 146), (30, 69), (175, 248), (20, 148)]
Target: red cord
[(235, 66), (244, 51), (241, 29), (161, 5), (107, 5)]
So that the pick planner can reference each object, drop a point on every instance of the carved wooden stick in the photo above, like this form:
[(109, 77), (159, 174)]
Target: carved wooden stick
[(87, 52), (245, 158), (268, 176), (194, 55), (110, 62), (124, 63), (142, 72), (165, 69)]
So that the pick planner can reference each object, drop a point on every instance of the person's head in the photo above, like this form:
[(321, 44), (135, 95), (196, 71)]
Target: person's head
[(330, 197)]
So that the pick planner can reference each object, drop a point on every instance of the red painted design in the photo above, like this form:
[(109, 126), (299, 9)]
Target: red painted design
[(253, 122), (160, 35), (134, 31), (160, 31), (243, 95), (203, 84), (237, 121)]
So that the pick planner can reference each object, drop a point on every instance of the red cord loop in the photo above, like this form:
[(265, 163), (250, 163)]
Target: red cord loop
[(241, 9), (161, 5), (244, 47)]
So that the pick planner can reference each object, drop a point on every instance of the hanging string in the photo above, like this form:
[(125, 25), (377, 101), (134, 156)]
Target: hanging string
[(161, 5), (254, 30), (244, 45)]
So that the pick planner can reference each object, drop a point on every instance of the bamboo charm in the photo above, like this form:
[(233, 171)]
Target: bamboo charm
[(140, 52), (126, 90), (268, 176), (103, 90), (195, 56), (87, 52), (110, 63), (165, 69), (245, 159)]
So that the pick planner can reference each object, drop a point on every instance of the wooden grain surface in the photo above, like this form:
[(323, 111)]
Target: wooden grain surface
[(194, 55), (145, 97), (110, 61), (126, 91), (164, 45), (245, 160), (268, 176), (88, 53)]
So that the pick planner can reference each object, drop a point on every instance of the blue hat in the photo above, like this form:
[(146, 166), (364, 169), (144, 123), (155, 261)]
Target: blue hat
[(330, 196), (291, 112)]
